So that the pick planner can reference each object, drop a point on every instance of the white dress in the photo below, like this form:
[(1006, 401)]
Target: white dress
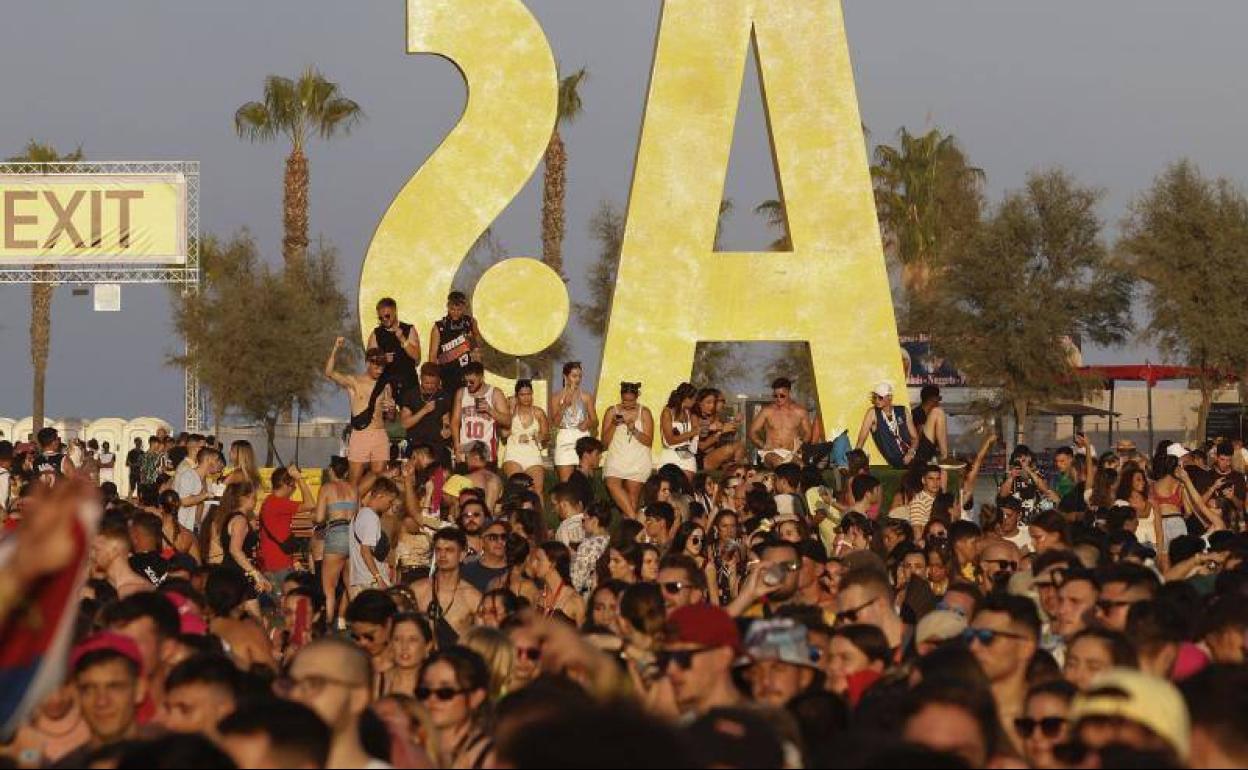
[(685, 454), (628, 458), (523, 448), (569, 433)]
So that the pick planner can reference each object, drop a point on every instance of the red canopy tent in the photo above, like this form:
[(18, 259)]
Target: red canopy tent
[(1148, 373)]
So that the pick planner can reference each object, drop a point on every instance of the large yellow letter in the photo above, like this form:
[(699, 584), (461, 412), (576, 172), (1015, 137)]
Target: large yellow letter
[(513, 91), (832, 290)]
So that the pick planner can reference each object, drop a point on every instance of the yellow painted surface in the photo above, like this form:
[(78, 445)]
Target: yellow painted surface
[(47, 218), (673, 290), (438, 215), (521, 305)]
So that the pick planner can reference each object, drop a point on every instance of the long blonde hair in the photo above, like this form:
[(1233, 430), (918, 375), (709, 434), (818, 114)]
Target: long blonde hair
[(496, 649), (243, 458)]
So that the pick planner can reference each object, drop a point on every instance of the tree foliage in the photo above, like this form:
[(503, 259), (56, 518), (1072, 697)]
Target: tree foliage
[(1185, 239), (297, 109), (1035, 271), (928, 199), (258, 337)]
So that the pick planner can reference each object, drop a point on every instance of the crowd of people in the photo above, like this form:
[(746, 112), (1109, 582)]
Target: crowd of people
[(525, 585)]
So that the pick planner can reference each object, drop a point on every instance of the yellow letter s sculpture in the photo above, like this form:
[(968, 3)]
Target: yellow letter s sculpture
[(513, 92), (672, 290)]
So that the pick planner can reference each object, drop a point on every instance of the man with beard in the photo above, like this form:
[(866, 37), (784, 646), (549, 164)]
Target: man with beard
[(771, 585), (426, 413), (471, 521), (478, 411), (333, 677), (400, 343), (1003, 637), (697, 657), (781, 662), (493, 561)]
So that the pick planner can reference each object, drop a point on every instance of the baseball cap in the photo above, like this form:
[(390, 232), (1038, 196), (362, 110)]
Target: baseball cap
[(883, 390), (1142, 698), (939, 626), (189, 619), (1178, 450), (782, 640), (705, 625), (107, 640)]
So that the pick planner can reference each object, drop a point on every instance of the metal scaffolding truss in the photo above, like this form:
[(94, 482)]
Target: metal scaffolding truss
[(186, 276)]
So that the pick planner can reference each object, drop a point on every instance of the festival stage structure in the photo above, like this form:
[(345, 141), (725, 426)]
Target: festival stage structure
[(831, 290), (104, 224)]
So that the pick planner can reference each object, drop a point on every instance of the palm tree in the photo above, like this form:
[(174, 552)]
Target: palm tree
[(297, 109), (556, 173), (926, 194), (41, 291), (773, 212)]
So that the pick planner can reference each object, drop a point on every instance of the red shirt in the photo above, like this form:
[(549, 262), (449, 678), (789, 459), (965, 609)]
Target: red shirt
[(275, 517)]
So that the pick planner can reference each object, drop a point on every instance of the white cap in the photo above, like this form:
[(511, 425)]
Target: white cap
[(1177, 450), (883, 390)]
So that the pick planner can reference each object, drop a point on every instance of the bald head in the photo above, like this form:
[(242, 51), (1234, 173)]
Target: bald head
[(335, 657)]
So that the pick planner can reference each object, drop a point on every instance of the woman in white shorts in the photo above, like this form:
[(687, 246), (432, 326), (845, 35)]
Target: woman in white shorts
[(628, 434), (679, 428), (573, 411), (529, 428)]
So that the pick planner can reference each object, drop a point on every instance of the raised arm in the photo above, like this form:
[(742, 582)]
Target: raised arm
[(972, 475), (330, 363), (307, 500)]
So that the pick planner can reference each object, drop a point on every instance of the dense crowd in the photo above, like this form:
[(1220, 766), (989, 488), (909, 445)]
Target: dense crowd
[(483, 581)]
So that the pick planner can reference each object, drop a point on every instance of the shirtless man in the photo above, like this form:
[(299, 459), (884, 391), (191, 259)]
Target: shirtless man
[(781, 427), (477, 412), (445, 594), (370, 397), (933, 425)]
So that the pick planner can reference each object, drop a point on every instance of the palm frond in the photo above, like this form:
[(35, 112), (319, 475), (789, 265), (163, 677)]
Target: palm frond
[(570, 104)]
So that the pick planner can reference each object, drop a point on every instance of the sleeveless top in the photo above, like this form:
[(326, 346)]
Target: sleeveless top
[(251, 543), (573, 414), (892, 435), (49, 466), (1175, 499), (474, 425), (685, 448), (524, 434), (454, 341), (403, 368)]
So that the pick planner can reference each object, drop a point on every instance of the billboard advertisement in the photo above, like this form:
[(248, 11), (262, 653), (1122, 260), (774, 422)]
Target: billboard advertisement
[(924, 367), (93, 219)]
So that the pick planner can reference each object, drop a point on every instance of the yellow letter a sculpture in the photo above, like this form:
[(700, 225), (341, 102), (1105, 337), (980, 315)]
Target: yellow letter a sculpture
[(832, 290)]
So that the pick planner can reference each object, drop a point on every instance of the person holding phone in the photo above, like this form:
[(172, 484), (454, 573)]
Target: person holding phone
[(718, 442), (628, 432), (573, 410), (477, 413)]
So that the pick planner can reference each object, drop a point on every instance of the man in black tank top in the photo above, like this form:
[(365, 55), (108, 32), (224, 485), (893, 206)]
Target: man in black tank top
[(51, 462), (401, 344), (454, 342)]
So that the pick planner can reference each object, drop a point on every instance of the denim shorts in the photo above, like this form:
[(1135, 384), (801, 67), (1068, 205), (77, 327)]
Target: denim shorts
[(338, 537)]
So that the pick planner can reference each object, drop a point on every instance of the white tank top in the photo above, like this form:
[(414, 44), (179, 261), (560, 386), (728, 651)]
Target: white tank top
[(476, 425), (524, 434), (681, 426)]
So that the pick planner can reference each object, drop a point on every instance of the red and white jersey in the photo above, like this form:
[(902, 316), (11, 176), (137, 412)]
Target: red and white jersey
[(476, 424)]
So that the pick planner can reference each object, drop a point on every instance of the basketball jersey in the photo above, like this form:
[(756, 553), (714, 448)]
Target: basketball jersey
[(49, 467), (455, 341), (476, 425)]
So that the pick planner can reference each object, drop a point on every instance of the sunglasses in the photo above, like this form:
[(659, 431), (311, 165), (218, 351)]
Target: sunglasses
[(1006, 565), (443, 694), (696, 540), (986, 636), (851, 615), (1050, 727), (494, 537), (673, 587), (531, 654), (682, 658)]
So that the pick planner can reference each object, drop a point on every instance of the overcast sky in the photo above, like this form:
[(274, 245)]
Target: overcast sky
[(1112, 90)]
